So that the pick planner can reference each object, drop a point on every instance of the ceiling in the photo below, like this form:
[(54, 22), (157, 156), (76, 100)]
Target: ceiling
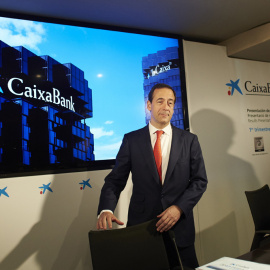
[(210, 21)]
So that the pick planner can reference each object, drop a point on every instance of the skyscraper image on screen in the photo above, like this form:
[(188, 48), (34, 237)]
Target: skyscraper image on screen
[(163, 67), (43, 107)]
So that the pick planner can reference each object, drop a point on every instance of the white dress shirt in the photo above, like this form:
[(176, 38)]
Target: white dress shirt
[(166, 141)]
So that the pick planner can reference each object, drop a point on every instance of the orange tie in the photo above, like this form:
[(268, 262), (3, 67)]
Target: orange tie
[(158, 154)]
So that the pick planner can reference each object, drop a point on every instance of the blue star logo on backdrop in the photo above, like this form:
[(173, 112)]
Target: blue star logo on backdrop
[(85, 183), (3, 191), (45, 187), (234, 86)]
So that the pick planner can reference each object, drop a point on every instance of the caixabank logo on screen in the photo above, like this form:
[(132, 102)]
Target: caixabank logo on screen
[(248, 88), (17, 87)]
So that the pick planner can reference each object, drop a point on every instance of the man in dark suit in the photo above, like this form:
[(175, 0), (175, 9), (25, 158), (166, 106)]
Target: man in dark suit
[(169, 191)]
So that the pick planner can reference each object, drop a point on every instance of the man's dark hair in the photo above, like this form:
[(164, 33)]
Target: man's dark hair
[(159, 86)]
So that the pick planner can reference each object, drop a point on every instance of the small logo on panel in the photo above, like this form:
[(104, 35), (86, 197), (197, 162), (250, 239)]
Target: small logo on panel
[(3, 191), (258, 144), (234, 86), (85, 183), (45, 187)]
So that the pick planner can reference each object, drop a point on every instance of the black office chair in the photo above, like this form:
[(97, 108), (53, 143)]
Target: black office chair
[(138, 247), (259, 203)]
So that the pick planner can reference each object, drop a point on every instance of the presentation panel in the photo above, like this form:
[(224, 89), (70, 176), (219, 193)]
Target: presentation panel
[(229, 110)]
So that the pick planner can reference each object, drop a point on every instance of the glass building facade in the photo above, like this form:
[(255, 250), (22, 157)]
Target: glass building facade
[(163, 67), (43, 107)]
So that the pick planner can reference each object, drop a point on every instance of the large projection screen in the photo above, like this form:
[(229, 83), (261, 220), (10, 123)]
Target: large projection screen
[(69, 91)]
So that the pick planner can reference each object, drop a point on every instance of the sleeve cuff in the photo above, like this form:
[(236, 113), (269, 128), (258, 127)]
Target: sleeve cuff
[(106, 210)]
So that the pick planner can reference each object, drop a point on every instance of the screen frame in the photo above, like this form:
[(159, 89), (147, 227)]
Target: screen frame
[(100, 164)]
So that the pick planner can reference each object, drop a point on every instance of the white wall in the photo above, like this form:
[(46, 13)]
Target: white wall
[(223, 220), (50, 230)]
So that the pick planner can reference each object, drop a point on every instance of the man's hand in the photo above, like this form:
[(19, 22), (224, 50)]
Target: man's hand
[(168, 218), (107, 217)]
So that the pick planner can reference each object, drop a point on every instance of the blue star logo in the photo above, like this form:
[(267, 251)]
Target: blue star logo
[(1, 91), (234, 86), (46, 187), (3, 191), (85, 183)]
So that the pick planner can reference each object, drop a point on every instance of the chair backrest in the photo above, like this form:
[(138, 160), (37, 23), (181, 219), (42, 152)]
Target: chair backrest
[(259, 203), (138, 247)]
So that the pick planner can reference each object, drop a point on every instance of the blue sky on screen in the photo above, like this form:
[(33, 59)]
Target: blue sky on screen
[(112, 65)]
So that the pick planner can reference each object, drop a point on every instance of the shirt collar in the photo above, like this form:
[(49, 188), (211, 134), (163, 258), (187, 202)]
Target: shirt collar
[(167, 130)]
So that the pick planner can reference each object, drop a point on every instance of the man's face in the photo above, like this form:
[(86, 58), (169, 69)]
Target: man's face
[(161, 107)]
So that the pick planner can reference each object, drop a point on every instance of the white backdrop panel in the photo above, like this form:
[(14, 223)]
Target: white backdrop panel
[(236, 149)]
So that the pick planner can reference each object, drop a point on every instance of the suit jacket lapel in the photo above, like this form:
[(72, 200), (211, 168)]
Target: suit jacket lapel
[(148, 154), (176, 147)]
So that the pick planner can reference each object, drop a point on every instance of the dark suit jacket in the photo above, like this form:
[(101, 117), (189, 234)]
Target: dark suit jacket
[(183, 186)]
